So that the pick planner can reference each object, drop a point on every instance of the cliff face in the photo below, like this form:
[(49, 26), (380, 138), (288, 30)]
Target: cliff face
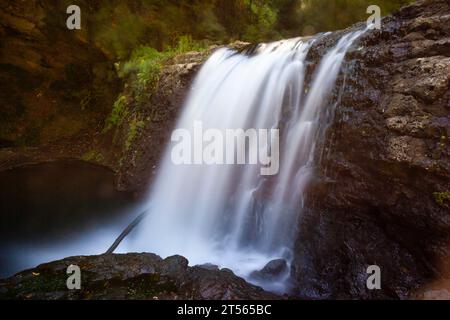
[(55, 83), (138, 162), (59, 87), (381, 196)]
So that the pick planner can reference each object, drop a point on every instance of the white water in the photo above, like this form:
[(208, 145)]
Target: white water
[(231, 215)]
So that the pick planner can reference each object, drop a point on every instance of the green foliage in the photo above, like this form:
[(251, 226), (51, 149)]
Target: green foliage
[(141, 74), (93, 155), (118, 27), (185, 44), (121, 26), (324, 15), (442, 198), (143, 69), (263, 21), (118, 113), (135, 127), (144, 34)]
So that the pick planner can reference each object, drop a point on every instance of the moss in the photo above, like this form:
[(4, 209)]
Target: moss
[(42, 281), (150, 285), (135, 127), (93, 155), (141, 287), (141, 74), (186, 44), (442, 198), (118, 113)]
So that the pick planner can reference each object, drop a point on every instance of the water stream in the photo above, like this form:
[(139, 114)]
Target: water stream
[(231, 215)]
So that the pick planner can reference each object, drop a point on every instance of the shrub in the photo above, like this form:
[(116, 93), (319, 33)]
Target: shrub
[(142, 71)]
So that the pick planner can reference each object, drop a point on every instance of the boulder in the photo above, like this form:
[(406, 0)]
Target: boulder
[(129, 276), (272, 270), (208, 266)]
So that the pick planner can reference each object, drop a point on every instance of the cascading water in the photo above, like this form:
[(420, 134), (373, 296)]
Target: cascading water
[(231, 215)]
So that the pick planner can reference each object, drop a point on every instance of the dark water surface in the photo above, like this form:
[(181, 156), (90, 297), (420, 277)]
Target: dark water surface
[(44, 206)]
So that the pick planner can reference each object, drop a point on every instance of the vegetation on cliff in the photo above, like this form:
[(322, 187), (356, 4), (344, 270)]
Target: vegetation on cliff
[(160, 24), (141, 75), (143, 69)]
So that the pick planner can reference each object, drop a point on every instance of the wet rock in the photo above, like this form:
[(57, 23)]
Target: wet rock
[(175, 265), (386, 154), (129, 276), (272, 270), (51, 74), (425, 78), (407, 149), (208, 266), (409, 125), (400, 105), (226, 270)]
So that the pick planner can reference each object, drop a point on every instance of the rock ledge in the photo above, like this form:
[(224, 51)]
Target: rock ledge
[(139, 276)]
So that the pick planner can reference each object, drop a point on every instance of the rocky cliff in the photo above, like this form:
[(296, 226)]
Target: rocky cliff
[(56, 83), (63, 97), (60, 87), (382, 192)]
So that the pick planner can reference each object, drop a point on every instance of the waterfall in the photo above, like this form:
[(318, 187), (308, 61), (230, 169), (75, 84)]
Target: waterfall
[(231, 215)]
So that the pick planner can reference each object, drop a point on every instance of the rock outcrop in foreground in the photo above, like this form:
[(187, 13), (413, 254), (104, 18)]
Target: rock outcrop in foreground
[(130, 276)]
